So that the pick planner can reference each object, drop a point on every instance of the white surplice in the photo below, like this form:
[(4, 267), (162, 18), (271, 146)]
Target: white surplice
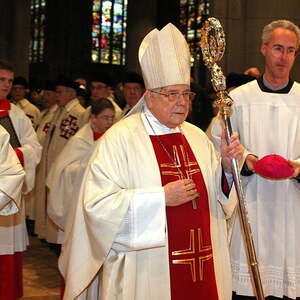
[(11, 177), (13, 234), (268, 123), (66, 175), (30, 110), (119, 232), (67, 120)]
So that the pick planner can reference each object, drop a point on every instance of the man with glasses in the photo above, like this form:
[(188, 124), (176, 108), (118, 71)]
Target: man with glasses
[(151, 220), (266, 114), (101, 87), (133, 88), (67, 170)]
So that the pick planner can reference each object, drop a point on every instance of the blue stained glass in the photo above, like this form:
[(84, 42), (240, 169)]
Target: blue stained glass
[(110, 19), (37, 12)]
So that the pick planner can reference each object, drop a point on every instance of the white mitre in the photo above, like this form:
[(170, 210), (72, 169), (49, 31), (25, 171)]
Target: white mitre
[(165, 60), (164, 57)]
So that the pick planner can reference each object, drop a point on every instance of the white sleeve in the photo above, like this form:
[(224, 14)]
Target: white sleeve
[(144, 225)]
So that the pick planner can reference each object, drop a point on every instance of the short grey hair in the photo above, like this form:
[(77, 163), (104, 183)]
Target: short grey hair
[(286, 24)]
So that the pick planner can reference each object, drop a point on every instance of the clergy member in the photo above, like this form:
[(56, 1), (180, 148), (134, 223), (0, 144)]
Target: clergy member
[(266, 114), (11, 182), (67, 171), (23, 139), (101, 87), (132, 89), (67, 120), (49, 101), (18, 93), (151, 220)]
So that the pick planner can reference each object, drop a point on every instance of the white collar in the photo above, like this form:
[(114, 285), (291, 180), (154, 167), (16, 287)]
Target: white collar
[(152, 124)]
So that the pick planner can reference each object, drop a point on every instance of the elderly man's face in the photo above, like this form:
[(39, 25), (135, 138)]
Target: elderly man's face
[(170, 111), (49, 98), (63, 95), (132, 92), (99, 90), (18, 92)]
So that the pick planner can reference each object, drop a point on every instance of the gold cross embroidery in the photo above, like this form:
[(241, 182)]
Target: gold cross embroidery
[(177, 164), (192, 251)]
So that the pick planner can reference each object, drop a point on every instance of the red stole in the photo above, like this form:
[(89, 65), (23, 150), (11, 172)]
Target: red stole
[(4, 107), (191, 263), (96, 135)]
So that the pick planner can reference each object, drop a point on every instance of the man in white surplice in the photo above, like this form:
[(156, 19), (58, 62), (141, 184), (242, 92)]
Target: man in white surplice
[(11, 177), (266, 114), (118, 241)]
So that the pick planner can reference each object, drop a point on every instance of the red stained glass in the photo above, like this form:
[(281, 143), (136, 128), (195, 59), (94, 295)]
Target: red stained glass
[(109, 27), (36, 45)]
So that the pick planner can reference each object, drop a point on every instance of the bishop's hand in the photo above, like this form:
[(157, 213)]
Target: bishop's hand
[(180, 191), (234, 150)]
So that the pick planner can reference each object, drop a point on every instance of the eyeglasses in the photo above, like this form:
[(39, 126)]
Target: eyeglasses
[(278, 50), (174, 96), (106, 118)]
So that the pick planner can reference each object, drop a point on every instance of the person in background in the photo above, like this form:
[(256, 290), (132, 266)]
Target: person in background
[(50, 102), (67, 120), (13, 234), (67, 171), (101, 85), (132, 89), (18, 93)]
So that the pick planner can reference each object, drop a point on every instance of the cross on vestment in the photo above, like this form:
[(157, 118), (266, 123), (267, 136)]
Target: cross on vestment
[(189, 167), (195, 256)]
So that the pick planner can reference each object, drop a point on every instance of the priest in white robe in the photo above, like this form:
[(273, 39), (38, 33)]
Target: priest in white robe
[(67, 171), (266, 115), (151, 218)]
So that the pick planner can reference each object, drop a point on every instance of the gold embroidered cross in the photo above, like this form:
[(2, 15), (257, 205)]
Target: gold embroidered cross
[(194, 255), (174, 168)]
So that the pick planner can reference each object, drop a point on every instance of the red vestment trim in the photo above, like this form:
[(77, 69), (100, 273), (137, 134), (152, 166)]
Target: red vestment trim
[(191, 263), (11, 285), (4, 107), (20, 155), (96, 135)]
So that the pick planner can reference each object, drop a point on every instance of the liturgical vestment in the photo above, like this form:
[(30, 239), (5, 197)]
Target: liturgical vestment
[(13, 234), (30, 110), (66, 173), (268, 122), (121, 217), (66, 122)]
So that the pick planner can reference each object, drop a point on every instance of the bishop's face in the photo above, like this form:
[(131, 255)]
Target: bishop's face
[(6, 79), (170, 112)]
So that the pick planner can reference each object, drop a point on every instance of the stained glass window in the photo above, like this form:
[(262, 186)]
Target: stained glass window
[(192, 15), (109, 31), (37, 42)]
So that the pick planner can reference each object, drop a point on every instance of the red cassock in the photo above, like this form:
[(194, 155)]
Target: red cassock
[(191, 258)]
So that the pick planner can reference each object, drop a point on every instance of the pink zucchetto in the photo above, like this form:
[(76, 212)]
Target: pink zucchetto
[(273, 166)]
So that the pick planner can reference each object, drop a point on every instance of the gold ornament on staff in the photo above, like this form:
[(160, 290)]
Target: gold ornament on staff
[(212, 44)]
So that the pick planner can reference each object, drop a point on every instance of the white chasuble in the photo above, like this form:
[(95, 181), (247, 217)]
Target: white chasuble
[(120, 220)]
